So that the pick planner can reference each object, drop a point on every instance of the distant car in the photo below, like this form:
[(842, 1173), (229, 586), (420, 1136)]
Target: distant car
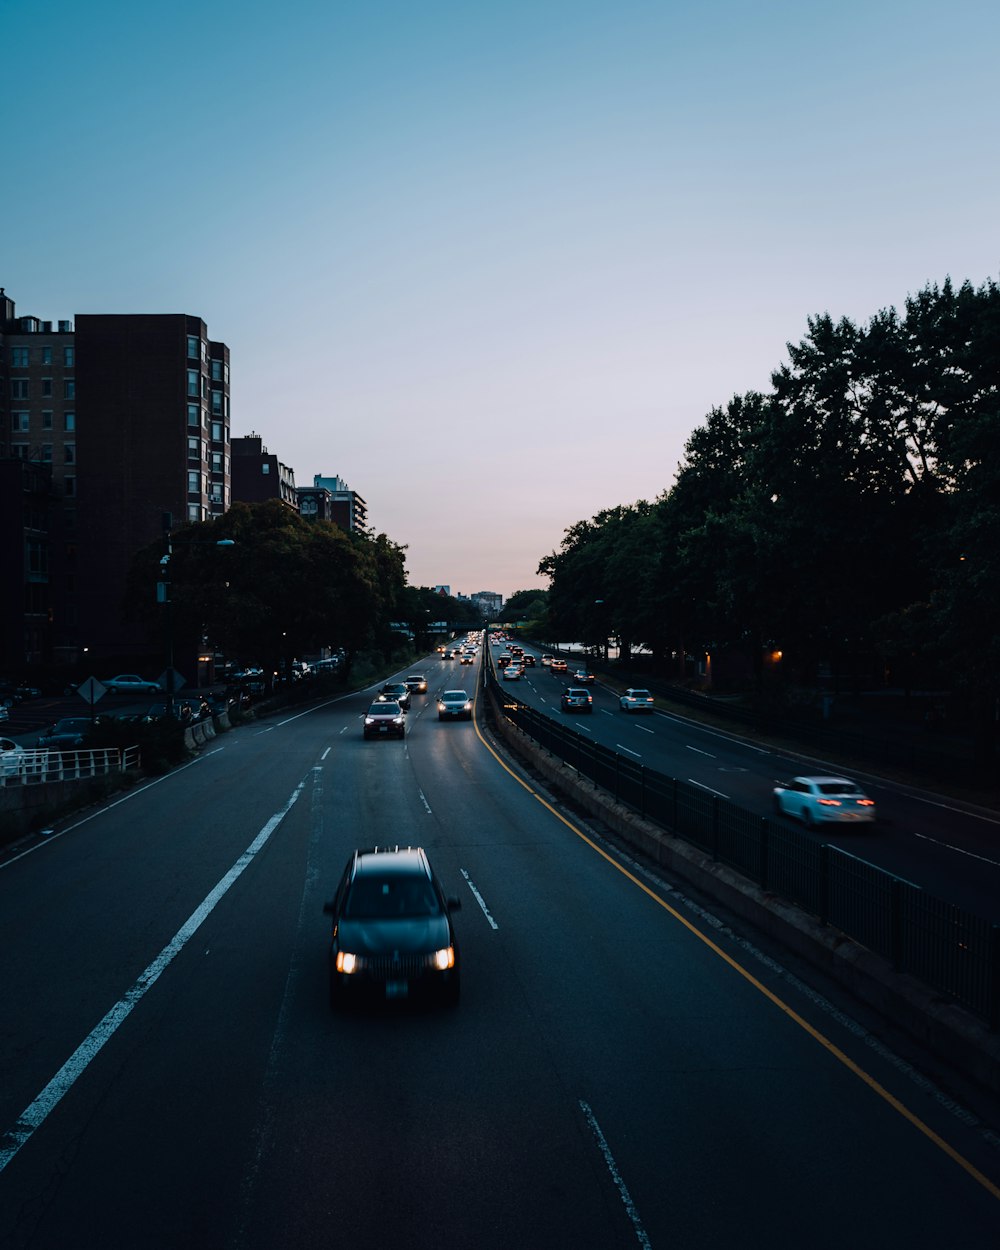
[(385, 719), (503, 659), (66, 733), (454, 705), (557, 666), (129, 683), (416, 683), (583, 678), (392, 937), (12, 757), (636, 700), (512, 672), (575, 699), (546, 660), (824, 800), (466, 658), (396, 692), (528, 660)]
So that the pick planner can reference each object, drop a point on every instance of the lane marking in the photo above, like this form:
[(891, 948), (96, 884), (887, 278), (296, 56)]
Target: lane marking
[(326, 753), (37, 1112), (616, 1176), (708, 788), (698, 752), (645, 730), (619, 747), (821, 1039), (424, 801), (959, 850), (479, 899)]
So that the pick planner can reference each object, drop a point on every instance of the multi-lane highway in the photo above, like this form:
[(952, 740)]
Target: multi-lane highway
[(950, 849), (621, 1071)]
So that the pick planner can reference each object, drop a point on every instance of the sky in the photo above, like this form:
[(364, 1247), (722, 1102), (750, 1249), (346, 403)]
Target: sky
[(493, 264)]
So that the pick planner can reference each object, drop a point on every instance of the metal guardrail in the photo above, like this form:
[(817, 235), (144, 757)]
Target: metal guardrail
[(947, 948), (49, 764)]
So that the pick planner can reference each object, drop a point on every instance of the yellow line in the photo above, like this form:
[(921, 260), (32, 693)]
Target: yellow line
[(814, 1033)]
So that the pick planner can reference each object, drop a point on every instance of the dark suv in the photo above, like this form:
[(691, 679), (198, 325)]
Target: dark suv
[(392, 931)]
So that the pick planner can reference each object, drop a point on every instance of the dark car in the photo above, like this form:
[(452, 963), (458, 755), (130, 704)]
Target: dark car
[(416, 683), (66, 733), (575, 699), (397, 692), (392, 932), (385, 719), (583, 678)]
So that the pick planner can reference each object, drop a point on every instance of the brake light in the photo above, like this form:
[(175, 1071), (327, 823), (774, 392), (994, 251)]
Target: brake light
[(829, 802), (866, 802)]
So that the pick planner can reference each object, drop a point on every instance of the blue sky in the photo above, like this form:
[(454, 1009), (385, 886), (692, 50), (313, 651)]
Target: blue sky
[(492, 265)]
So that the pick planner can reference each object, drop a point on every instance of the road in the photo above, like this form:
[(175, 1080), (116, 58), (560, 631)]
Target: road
[(621, 1071), (948, 848)]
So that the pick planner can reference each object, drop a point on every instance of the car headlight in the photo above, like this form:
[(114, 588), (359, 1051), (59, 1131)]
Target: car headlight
[(369, 720), (346, 962), (444, 959)]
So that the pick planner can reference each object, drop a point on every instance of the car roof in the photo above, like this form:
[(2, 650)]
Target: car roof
[(454, 694), (395, 859), (386, 706)]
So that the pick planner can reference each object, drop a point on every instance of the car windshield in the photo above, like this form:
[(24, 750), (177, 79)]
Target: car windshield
[(386, 897), (454, 696), (384, 709)]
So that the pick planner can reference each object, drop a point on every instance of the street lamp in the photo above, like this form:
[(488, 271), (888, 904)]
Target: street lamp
[(164, 596)]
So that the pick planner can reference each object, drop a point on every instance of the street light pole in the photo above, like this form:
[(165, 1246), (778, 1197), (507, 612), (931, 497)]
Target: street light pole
[(164, 596)]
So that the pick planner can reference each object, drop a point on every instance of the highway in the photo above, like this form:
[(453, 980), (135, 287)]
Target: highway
[(622, 1071), (950, 849)]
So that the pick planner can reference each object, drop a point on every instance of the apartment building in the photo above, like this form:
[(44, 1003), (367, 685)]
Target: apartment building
[(347, 508), (258, 475)]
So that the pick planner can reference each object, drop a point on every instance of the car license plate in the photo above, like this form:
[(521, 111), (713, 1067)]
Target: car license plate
[(383, 729), (397, 989)]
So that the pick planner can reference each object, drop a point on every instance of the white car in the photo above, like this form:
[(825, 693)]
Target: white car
[(824, 800), (11, 758), (635, 700), (130, 683)]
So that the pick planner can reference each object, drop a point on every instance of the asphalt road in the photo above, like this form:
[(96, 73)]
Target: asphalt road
[(948, 848), (621, 1071)]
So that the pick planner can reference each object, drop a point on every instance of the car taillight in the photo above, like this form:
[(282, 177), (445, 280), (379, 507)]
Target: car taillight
[(866, 802), (829, 802)]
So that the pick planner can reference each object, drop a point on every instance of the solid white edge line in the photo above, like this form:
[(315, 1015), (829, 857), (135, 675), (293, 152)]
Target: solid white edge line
[(616, 1176), (53, 1093)]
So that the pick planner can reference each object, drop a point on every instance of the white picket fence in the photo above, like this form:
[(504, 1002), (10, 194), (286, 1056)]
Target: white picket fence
[(47, 764)]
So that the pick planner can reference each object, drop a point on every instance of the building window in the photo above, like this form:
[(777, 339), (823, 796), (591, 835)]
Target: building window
[(19, 357), (69, 421), (47, 419), (69, 483), (46, 355), (69, 357), (194, 382), (265, 467), (69, 450), (69, 388), (195, 512), (194, 483), (194, 348), (20, 421), (46, 453), (46, 388), (216, 461), (19, 387), (216, 431), (216, 403), (19, 451), (194, 448), (216, 370), (217, 493)]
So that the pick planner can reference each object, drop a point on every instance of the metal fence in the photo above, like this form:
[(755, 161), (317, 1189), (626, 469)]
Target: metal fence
[(949, 949), (26, 768)]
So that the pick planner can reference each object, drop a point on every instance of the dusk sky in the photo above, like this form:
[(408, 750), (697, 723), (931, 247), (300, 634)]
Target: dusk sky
[(492, 265)]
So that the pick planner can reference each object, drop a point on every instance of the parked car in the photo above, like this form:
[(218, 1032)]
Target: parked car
[(130, 683), (69, 732), (575, 699), (824, 800), (385, 719), (11, 758), (454, 705), (392, 936), (636, 700)]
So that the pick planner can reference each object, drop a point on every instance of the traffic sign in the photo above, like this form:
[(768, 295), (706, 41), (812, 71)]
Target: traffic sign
[(91, 690)]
